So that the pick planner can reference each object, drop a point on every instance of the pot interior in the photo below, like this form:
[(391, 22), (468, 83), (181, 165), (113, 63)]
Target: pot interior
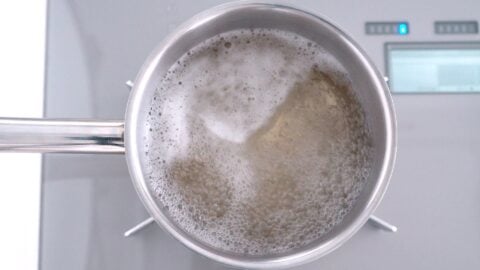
[(366, 83)]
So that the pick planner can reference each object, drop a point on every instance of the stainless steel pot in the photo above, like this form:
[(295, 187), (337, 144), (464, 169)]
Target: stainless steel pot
[(40, 135)]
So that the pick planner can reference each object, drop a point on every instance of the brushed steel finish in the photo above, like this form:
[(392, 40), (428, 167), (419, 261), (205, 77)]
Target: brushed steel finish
[(369, 86), (61, 136), (27, 135)]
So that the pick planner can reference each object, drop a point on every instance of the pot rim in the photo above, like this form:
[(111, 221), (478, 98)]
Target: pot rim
[(132, 150)]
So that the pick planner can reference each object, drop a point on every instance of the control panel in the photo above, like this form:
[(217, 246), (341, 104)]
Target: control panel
[(456, 27), (387, 28)]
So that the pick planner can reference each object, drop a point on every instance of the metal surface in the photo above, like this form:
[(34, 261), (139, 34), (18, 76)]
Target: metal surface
[(88, 200), (129, 84), (368, 83), (92, 137), (61, 136), (382, 224), (376, 221), (139, 227)]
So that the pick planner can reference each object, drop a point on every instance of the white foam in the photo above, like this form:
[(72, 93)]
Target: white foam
[(254, 143)]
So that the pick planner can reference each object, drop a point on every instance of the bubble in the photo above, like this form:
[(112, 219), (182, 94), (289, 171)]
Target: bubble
[(265, 151)]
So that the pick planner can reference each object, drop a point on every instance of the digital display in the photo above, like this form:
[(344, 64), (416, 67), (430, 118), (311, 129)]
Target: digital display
[(456, 27), (402, 28), (387, 28), (433, 68)]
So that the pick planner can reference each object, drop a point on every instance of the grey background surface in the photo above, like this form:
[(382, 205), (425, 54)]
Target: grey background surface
[(88, 201)]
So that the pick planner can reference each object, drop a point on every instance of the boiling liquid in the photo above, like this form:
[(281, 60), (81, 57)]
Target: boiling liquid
[(255, 143)]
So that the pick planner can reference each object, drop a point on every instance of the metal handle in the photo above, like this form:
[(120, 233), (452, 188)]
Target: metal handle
[(61, 136)]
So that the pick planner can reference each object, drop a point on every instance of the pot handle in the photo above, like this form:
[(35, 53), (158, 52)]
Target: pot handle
[(61, 136)]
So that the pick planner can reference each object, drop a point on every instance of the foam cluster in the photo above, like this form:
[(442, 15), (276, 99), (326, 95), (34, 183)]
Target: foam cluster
[(255, 142)]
